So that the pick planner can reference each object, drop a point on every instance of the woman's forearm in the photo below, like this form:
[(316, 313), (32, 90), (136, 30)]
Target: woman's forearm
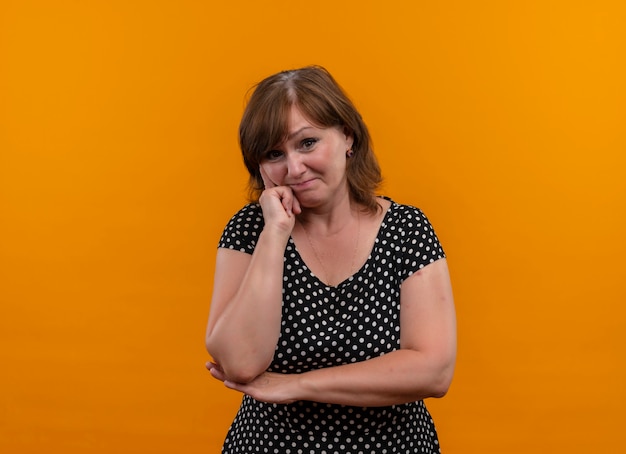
[(243, 339), (397, 377)]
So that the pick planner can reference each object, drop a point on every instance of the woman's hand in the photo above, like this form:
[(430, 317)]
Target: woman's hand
[(279, 205), (268, 387)]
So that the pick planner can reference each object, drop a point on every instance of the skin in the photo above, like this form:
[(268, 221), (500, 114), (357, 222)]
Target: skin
[(306, 197)]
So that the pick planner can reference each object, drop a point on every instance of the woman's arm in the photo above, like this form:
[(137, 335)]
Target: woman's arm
[(244, 323), (246, 306), (421, 368)]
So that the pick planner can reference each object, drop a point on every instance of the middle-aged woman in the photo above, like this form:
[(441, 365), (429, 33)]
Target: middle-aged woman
[(332, 309)]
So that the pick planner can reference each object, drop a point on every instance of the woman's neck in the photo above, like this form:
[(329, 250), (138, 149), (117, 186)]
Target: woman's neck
[(330, 219)]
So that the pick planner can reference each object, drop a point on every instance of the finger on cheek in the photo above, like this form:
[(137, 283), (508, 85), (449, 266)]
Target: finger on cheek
[(266, 181), (296, 206), (288, 204)]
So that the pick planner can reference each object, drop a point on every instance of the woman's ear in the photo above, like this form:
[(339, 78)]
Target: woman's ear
[(347, 132)]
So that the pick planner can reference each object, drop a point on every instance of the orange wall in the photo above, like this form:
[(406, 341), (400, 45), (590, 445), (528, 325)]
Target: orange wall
[(119, 167)]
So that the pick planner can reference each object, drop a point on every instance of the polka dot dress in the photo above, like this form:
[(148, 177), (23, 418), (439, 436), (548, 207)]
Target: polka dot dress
[(324, 326)]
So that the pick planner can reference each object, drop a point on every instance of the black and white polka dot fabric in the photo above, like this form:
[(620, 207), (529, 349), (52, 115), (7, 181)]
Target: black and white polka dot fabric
[(325, 326)]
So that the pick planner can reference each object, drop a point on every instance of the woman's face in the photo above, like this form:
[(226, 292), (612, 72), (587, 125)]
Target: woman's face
[(311, 161)]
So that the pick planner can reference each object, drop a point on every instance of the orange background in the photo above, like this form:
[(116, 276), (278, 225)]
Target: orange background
[(119, 167)]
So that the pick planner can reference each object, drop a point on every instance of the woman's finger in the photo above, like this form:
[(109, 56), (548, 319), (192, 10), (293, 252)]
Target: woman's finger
[(215, 371), (296, 208), (266, 180), (210, 365), (288, 200), (217, 374)]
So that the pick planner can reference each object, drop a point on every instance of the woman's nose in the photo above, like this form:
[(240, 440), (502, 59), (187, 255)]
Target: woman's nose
[(295, 164)]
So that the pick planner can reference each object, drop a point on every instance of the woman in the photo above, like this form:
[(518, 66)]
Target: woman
[(332, 309)]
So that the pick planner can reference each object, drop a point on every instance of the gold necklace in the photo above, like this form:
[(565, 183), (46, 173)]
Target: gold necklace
[(318, 257)]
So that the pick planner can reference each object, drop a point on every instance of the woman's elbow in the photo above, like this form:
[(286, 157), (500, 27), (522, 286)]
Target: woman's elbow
[(441, 383), (242, 375), (240, 372), (236, 368), (439, 390), (210, 347)]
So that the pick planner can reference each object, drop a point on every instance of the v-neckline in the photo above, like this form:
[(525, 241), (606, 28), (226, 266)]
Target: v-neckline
[(377, 238)]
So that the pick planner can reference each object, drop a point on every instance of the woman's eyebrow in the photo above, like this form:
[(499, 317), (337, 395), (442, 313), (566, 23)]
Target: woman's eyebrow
[(295, 133)]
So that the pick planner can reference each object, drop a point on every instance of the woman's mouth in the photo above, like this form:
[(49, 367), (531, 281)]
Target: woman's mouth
[(306, 184)]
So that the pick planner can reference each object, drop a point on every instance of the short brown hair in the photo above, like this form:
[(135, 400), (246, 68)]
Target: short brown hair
[(320, 98)]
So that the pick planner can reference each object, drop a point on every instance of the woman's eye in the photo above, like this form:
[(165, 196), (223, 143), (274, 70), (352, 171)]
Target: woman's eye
[(308, 143), (272, 155)]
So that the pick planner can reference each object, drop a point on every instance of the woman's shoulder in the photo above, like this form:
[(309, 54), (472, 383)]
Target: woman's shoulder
[(401, 211), (243, 229), (413, 233), (407, 219), (250, 210)]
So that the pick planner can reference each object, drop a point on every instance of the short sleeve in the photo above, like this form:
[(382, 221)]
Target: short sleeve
[(420, 245), (242, 231)]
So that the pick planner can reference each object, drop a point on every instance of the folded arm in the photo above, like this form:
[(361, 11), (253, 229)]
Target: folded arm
[(421, 368), (244, 323)]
